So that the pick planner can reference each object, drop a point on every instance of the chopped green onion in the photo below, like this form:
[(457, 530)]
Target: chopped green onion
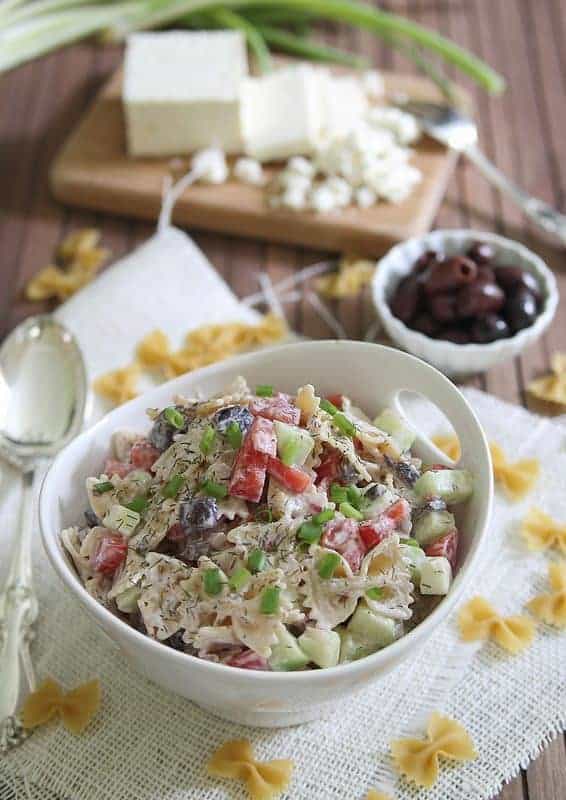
[(213, 489), (349, 511), (310, 532), (354, 496), (239, 579), (212, 581), (375, 593), (264, 515), (343, 424), (174, 417), (307, 48), (338, 494), (234, 435), (257, 560), (138, 504), (207, 440), (269, 602), (328, 564), (323, 516), (172, 486), (264, 390), (329, 407), (410, 542), (103, 487)]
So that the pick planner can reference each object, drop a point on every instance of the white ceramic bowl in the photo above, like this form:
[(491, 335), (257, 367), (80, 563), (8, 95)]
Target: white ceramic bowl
[(373, 376), (460, 359)]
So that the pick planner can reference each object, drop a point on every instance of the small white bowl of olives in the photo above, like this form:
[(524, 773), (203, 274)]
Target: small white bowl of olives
[(462, 300)]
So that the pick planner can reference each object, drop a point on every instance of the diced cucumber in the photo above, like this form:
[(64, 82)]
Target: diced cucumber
[(370, 628), (431, 525), (293, 444), (452, 485), (127, 601), (322, 647), (120, 518), (415, 558), (436, 575), (351, 649), (286, 655), (399, 430)]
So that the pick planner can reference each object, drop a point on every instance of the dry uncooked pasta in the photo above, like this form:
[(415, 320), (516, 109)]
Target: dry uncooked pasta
[(76, 708), (264, 779), (517, 479), (79, 259), (478, 620), (541, 532), (118, 386), (450, 445), (551, 388), (352, 276), (551, 607), (417, 760), (154, 353)]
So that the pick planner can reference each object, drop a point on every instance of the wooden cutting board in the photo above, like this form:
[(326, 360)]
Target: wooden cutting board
[(93, 171)]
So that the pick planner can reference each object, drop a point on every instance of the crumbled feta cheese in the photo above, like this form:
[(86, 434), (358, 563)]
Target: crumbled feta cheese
[(403, 126), (292, 180), (322, 199), (365, 197), (299, 165), (373, 84), (249, 170), (341, 190), (210, 165), (294, 197)]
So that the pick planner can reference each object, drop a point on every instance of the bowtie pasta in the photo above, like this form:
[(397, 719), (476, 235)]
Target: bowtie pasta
[(269, 531)]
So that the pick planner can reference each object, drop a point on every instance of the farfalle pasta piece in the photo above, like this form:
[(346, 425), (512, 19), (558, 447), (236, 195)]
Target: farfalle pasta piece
[(551, 388), (264, 779), (77, 243), (518, 478), (352, 276), (417, 760), (120, 385), (551, 607), (76, 708), (479, 620), (154, 353), (541, 532), (450, 446)]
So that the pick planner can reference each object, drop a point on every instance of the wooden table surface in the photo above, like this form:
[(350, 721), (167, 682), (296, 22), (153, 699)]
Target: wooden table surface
[(523, 132)]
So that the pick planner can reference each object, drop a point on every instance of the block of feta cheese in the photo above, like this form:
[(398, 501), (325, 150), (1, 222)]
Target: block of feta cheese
[(182, 91), (282, 113), (344, 104)]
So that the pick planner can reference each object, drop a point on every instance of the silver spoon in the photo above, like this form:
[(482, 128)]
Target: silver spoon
[(43, 394), (456, 130)]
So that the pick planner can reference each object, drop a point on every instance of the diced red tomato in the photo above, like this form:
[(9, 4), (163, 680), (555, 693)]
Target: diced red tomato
[(447, 546), (143, 455), (343, 536), (263, 437), (119, 468), (110, 553), (336, 400), (249, 471), (435, 467), (399, 512), (329, 468), (247, 659), (277, 407), (292, 478), (374, 531)]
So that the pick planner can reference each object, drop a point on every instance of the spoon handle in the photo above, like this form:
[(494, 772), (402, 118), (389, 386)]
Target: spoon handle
[(547, 217), (18, 609)]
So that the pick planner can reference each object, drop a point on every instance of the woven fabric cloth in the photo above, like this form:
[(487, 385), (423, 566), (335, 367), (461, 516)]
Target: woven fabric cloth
[(147, 744)]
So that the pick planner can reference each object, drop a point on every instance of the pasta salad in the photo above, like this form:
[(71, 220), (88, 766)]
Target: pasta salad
[(269, 531)]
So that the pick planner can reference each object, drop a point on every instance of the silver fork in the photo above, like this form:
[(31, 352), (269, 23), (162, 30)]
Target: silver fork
[(458, 131)]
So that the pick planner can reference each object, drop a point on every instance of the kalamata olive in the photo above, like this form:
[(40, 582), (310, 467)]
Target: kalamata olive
[(456, 335), (176, 641), (485, 274), (239, 414), (481, 253), (407, 472), (450, 274), (479, 298), (91, 519), (198, 514), (162, 431), (425, 323), (520, 309), (489, 328), (428, 258), (510, 278), (406, 299), (443, 307)]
